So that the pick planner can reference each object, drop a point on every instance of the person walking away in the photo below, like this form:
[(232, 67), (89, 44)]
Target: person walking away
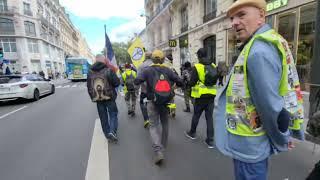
[(143, 91), (203, 82), (159, 80), (101, 84), (128, 77), (186, 76), (261, 103)]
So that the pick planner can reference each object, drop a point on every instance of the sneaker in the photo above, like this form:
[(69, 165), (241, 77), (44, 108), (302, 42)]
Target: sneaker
[(209, 144), (189, 135), (113, 137), (146, 124), (159, 158)]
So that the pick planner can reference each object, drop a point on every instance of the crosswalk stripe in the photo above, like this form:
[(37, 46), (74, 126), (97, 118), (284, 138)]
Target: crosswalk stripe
[(98, 163)]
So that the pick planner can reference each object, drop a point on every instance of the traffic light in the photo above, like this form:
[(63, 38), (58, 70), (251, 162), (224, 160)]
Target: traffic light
[(1, 53)]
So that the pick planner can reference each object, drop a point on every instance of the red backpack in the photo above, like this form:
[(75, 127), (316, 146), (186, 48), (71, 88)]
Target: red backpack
[(162, 88)]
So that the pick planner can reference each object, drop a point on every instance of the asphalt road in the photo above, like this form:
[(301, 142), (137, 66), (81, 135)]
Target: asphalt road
[(51, 139), (48, 139)]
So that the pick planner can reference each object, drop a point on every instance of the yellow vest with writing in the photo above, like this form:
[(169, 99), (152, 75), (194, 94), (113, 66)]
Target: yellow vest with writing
[(242, 118)]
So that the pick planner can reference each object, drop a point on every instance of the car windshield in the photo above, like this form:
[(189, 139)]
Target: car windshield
[(9, 79)]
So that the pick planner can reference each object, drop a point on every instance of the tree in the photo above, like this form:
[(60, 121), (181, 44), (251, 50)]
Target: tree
[(120, 51)]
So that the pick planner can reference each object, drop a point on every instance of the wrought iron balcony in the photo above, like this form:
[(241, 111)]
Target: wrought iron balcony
[(209, 16), (8, 11), (158, 10), (184, 28), (28, 12)]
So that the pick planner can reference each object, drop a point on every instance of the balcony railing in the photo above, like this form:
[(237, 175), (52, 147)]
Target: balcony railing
[(209, 16), (28, 12), (184, 28), (44, 21), (158, 10), (9, 11)]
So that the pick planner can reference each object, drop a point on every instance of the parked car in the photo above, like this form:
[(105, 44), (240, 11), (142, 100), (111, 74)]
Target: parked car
[(26, 86)]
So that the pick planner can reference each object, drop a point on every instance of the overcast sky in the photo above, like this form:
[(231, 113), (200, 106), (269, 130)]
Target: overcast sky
[(122, 18)]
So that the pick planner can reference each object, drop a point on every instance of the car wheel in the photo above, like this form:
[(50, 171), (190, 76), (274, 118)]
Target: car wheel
[(36, 95), (53, 89)]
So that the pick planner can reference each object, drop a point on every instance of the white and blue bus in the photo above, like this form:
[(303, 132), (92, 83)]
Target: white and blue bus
[(77, 68)]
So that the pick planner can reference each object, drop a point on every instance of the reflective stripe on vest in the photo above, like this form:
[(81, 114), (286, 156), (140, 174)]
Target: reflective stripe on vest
[(200, 89), (242, 118)]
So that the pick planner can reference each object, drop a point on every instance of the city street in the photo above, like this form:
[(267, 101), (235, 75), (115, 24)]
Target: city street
[(59, 138)]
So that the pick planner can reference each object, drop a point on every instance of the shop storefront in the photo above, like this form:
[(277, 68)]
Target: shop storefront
[(295, 21), (297, 26)]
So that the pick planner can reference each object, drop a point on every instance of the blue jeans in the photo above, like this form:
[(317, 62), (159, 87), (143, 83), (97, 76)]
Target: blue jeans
[(108, 113), (250, 171)]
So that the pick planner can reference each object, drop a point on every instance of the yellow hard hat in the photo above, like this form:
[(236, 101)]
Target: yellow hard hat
[(157, 54)]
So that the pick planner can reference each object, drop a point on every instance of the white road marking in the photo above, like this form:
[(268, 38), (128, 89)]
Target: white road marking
[(12, 112), (98, 163), (67, 86), (74, 86), (58, 87)]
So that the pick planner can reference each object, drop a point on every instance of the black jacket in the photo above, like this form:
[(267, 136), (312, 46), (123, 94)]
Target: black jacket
[(206, 98), (111, 76), (148, 75)]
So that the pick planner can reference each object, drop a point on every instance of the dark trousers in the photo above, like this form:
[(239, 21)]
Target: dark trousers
[(108, 113), (198, 109), (143, 106)]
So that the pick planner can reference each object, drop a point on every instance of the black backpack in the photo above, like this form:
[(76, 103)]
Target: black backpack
[(130, 82), (100, 88), (162, 88), (211, 75)]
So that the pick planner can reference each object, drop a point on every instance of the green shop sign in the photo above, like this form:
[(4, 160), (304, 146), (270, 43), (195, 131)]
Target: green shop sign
[(276, 4)]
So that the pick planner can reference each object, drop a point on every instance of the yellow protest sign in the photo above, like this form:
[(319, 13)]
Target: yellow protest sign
[(136, 52)]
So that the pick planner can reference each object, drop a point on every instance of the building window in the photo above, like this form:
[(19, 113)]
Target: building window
[(27, 9), (46, 48), (6, 26), (33, 46), (3, 5), (184, 50), (306, 44), (210, 10), (184, 19), (30, 28), (8, 44), (233, 51), (209, 45)]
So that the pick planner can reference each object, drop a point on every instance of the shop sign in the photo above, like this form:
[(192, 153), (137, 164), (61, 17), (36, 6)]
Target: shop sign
[(276, 4), (172, 43)]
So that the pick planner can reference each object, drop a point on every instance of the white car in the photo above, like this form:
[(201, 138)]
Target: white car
[(27, 86)]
